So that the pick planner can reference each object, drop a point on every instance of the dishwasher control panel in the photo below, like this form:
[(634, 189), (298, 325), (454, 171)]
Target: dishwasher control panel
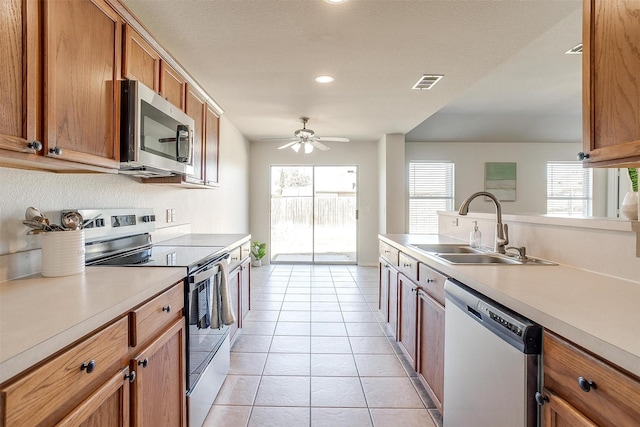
[(506, 321)]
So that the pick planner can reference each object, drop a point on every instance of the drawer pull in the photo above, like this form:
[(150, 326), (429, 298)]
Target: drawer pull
[(144, 362), (431, 280), (131, 377), (167, 309), (586, 385), (56, 150), (541, 399), (89, 367), (35, 145)]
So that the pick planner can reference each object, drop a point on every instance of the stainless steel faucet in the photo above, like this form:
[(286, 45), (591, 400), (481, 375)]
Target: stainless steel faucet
[(502, 232)]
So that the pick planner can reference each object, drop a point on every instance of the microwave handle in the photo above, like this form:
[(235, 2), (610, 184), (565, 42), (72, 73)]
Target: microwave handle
[(180, 130)]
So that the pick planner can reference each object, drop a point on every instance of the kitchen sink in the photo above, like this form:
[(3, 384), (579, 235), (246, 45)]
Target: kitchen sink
[(447, 248), (488, 259)]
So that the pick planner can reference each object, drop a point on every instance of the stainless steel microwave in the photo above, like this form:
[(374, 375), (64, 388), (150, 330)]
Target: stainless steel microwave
[(156, 137)]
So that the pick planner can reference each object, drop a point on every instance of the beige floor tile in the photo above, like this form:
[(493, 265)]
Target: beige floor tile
[(343, 392), (329, 316), (273, 290), (322, 291), (359, 316), (238, 390), (297, 297), (344, 298), (258, 328), (371, 345), (247, 363), (391, 393), (327, 329), (299, 291), (228, 416), (293, 328), (288, 364), (379, 365), (330, 345), (364, 330), (348, 291), (270, 297), (295, 316), (355, 306), (325, 306), (333, 365), (268, 416), (296, 306), (268, 316), (265, 305), (289, 344), (339, 417), (284, 391), (324, 297), (252, 344), (401, 417), (372, 298)]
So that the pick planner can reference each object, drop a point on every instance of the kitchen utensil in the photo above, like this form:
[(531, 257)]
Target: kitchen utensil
[(33, 212), (72, 220), (37, 224)]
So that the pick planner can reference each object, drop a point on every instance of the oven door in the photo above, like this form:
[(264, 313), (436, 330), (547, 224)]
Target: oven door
[(202, 341)]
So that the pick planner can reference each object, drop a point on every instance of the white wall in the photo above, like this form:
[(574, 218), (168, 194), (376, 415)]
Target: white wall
[(391, 164), (264, 154), (223, 210), (531, 158)]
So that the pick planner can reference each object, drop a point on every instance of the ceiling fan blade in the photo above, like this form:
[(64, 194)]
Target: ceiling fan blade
[(282, 138), (288, 145), (319, 145), (333, 139)]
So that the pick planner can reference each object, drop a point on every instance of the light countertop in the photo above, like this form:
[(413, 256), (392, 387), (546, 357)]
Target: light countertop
[(598, 312)]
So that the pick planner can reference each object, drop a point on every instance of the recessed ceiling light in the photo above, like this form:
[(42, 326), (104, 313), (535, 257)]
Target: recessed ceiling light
[(324, 79), (335, 1), (427, 81)]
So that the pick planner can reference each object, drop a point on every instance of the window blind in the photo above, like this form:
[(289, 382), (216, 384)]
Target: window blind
[(431, 187), (569, 189)]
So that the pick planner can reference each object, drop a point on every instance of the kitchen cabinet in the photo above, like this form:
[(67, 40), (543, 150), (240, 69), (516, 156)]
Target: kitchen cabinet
[(140, 61), (408, 318), (234, 292), (388, 288), (172, 85), (611, 93), (58, 387), (245, 289), (581, 386), (19, 76), (158, 391), (82, 94), (196, 110), (211, 147), (431, 347)]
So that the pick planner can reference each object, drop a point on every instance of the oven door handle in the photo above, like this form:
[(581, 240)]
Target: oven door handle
[(207, 274)]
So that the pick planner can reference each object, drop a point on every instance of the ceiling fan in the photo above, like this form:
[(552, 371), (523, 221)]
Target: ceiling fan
[(308, 139)]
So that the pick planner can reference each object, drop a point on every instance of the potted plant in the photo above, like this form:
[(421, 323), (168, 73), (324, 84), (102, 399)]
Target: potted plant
[(629, 207), (258, 251)]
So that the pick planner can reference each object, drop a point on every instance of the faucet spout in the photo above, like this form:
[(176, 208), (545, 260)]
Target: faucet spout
[(502, 232)]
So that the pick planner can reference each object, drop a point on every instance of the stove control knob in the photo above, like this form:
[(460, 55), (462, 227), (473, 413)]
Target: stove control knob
[(149, 218)]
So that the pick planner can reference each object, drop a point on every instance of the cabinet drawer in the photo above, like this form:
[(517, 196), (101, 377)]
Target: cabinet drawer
[(432, 282), (235, 256), (53, 389), (245, 250), (409, 266), (155, 315), (389, 253), (615, 399)]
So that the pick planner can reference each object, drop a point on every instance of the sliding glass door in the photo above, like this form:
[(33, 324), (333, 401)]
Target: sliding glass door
[(313, 214)]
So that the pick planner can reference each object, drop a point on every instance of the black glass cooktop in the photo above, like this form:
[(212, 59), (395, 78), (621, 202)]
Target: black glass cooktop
[(165, 256)]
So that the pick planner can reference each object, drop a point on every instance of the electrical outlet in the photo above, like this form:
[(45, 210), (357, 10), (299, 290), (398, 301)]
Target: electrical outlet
[(173, 215), (168, 215), (454, 222)]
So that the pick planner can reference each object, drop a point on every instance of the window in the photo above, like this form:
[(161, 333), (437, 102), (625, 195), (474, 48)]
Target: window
[(569, 189), (430, 190)]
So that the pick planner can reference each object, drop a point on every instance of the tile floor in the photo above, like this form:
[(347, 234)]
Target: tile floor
[(313, 353)]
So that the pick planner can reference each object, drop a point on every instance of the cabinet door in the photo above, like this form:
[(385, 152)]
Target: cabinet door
[(393, 302), (211, 145), (245, 289), (431, 347), (408, 317), (383, 289), (172, 85), (558, 413), (234, 292), (107, 406), (158, 393), (139, 60), (611, 93), (19, 79), (81, 80), (196, 110)]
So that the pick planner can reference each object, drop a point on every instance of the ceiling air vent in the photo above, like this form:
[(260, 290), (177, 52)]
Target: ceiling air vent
[(577, 50), (427, 81)]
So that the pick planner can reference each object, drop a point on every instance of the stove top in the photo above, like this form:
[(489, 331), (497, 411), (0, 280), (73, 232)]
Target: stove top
[(165, 256)]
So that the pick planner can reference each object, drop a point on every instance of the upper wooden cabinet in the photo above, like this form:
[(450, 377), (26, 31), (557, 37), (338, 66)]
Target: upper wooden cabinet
[(19, 79), (611, 89), (139, 60), (82, 94), (211, 147), (172, 85)]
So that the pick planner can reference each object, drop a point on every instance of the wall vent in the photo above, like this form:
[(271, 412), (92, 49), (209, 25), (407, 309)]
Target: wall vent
[(577, 50), (427, 81)]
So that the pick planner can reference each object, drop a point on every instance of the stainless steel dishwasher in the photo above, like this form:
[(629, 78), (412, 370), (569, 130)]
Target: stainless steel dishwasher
[(491, 357)]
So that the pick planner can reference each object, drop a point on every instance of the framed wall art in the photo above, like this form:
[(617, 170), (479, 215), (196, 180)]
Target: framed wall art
[(500, 180)]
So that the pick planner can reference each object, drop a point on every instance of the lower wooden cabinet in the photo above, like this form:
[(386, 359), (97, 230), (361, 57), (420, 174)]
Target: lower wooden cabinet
[(408, 318), (245, 289), (556, 412), (431, 347), (158, 390)]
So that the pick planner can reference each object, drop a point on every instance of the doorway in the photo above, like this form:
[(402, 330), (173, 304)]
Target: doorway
[(314, 214)]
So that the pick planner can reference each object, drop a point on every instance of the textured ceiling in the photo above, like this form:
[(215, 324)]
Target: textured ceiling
[(257, 59)]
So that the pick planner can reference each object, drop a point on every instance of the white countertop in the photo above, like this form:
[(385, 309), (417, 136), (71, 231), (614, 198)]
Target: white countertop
[(598, 312), (39, 316)]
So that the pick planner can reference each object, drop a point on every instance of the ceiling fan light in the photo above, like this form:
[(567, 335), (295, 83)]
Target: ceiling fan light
[(308, 148), (296, 147)]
